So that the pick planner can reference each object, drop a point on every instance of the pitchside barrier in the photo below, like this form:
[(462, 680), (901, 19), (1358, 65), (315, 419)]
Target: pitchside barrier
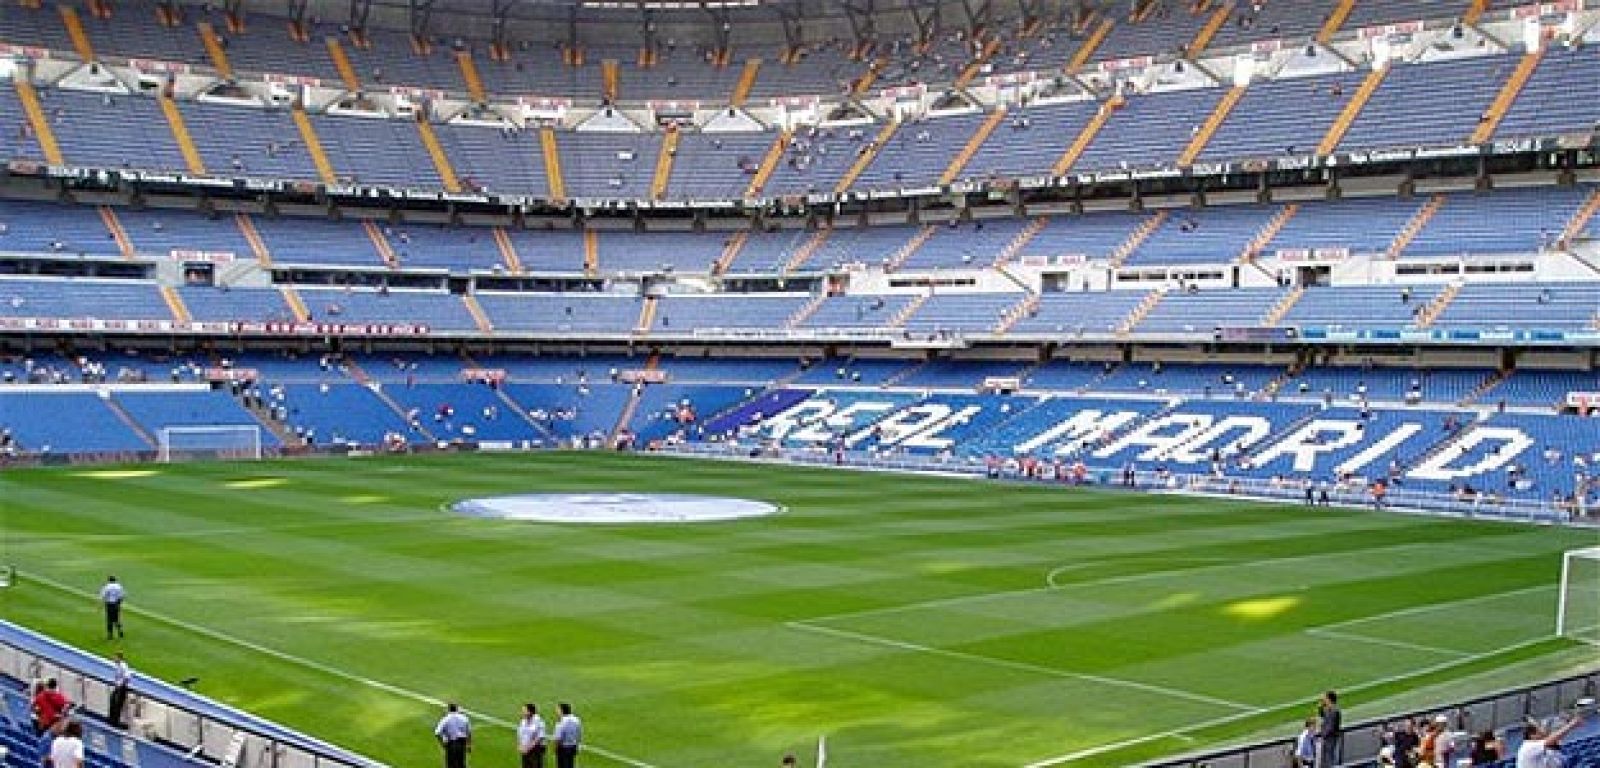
[(1345, 495), (1503, 712), (168, 725)]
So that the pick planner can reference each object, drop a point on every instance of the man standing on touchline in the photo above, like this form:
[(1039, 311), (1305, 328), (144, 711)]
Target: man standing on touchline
[(111, 596), (454, 732), (569, 735)]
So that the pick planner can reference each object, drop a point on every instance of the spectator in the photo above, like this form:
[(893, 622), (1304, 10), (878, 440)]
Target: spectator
[(121, 679), (49, 706), (1541, 748), (1330, 731), (1305, 745), (1487, 749), (66, 751)]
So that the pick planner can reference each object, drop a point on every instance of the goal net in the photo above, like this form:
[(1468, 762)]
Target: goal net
[(1578, 612), (224, 441)]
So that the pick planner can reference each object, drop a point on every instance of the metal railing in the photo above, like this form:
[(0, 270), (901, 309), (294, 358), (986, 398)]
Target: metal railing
[(1362, 741)]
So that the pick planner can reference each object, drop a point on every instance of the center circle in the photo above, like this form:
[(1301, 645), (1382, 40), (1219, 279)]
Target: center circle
[(614, 508)]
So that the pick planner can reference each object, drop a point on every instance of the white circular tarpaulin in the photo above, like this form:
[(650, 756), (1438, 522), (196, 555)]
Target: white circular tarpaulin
[(614, 508)]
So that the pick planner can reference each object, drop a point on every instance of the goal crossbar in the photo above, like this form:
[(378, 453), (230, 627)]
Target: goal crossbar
[(237, 441)]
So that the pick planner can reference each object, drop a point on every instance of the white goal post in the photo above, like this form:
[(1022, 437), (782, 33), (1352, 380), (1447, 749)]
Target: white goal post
[(214, 441), (1578, 612)]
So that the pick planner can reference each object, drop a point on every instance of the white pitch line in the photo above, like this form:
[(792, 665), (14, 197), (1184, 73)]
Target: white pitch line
[(1431, 607), (310, 663), (1191, 728), (1332, 634), (206, 533), (1111, 580), (1021, 666)]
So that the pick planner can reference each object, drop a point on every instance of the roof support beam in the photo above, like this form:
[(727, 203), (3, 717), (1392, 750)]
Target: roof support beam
[(929, 21), (498, 24), (978, 18), (863, 21), (359, 11)]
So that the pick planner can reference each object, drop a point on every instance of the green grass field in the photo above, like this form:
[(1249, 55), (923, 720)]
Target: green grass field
[(914, 621)]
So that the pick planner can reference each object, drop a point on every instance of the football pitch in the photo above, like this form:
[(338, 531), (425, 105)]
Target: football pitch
[(910, 620)]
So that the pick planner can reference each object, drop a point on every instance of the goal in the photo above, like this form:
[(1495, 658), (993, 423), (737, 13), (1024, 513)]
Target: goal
[(1578, 612), (221, 441)]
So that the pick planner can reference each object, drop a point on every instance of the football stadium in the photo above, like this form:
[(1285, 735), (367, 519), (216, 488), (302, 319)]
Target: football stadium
[(822, 383)]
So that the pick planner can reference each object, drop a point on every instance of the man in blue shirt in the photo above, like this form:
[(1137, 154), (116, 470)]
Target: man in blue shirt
[(569, 735), (454, 732)]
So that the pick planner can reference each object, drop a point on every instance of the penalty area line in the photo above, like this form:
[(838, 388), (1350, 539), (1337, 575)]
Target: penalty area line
[(312, 664), (1186, 731)]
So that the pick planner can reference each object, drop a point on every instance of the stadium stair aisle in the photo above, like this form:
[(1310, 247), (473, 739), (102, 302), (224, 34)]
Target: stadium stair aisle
[(864, 83), (1201, 138), (730, 252), (610, 79), (959, 162), (552, 164), (469, 75), (747, 81), (904, 315), (42, 131), (508, 251), (214, 50), (647, 315), (1019, 242), (664, 160), (263, 416), (804, 313), (1264, 238), (381, 244), (1090, 130), (297, 305), (180, 134), (769, 163), (1027, 306), (1415, 226), (341, 63), (478, 315), (1507, 96), (804, 253), (1136, 238), (128, 421), (1580, 218), (361, 377), (625, 417), (1203, 38), (1085, 52), (591, 252), (1281, 310), (1474, 12), (1352, 110), (441, 162), (75, 31), (864, 159), (1431, 311), (1484, 387), (1140, 312), (313, 145), (114, 226), (1335, 21), (247, 228), (910, 249), (974, 67), (180, 312)]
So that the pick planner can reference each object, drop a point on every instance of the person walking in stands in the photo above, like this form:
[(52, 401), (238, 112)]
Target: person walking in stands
[(454, 732), (121, 677), (111, 596), (66, 751), (1330, 731), (530, 737), (49, 706), (569, 736)]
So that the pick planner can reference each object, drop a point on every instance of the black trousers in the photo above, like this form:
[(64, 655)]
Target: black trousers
[(119, 700), (566, 757), (534, 758), (455, 753), (113, 619)]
